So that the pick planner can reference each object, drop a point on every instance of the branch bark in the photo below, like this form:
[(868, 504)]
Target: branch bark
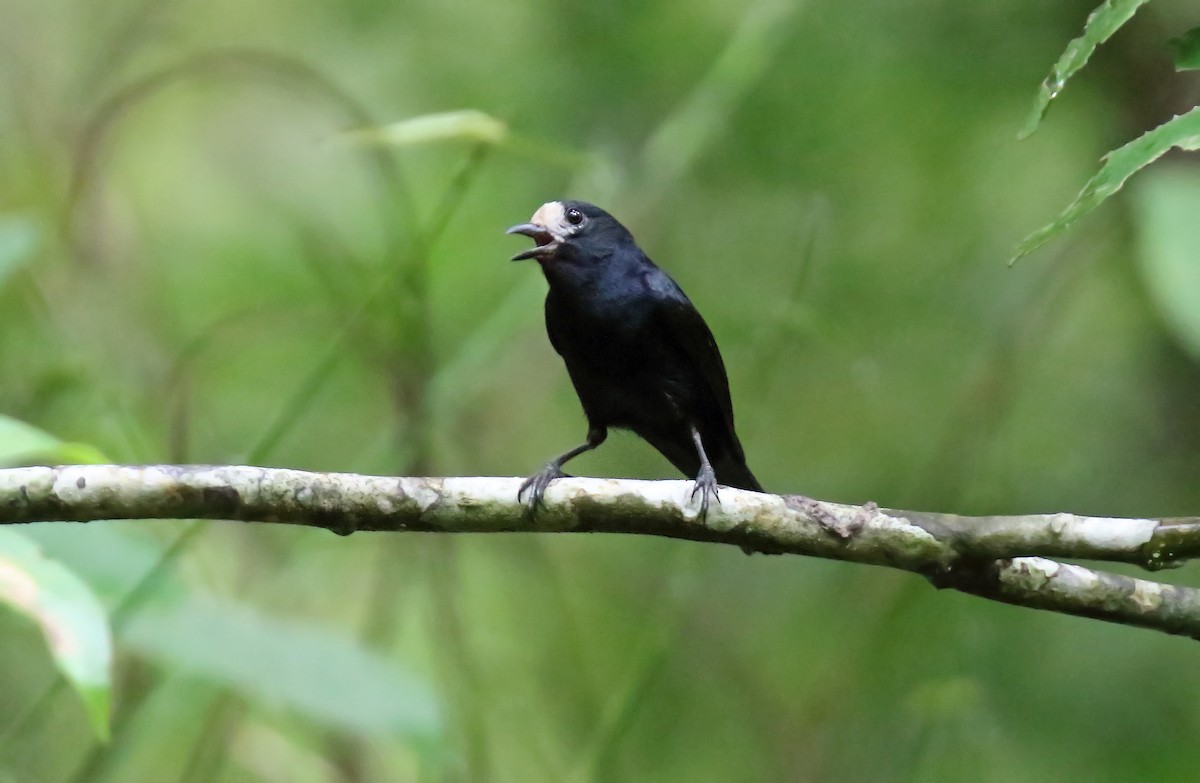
[(1001, 558)]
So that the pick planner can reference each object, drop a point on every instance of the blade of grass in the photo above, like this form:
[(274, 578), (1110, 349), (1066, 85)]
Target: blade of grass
[(688, 131), (632, 701)]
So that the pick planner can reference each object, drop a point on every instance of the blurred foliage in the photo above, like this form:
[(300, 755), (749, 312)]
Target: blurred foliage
[(208, 255), (1168, 236)]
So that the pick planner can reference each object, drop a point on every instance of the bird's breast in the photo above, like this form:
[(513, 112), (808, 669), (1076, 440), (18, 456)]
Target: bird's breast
[(603, 308), (624, 372)]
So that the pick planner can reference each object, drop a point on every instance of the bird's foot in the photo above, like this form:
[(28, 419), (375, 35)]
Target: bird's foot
[(706, 485), (535, 486)]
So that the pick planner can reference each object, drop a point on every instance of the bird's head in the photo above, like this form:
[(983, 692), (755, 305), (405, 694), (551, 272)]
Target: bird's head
[(570, 229)]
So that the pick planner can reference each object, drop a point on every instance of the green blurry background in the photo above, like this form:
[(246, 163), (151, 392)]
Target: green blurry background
[(211, 257)]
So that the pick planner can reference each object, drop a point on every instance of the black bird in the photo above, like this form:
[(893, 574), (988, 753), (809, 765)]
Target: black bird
[(639, 354)]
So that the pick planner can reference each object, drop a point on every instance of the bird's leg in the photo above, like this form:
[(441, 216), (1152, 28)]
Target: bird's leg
[(706, 479), (536, 484)]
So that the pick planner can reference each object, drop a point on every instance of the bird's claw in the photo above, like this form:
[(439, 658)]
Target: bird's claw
[(536, 486), (706, 485)]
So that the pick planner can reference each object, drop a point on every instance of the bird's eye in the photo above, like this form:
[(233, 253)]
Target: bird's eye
[(574, 217)]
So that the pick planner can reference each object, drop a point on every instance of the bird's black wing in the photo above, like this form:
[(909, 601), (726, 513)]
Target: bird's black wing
[(683, 325)]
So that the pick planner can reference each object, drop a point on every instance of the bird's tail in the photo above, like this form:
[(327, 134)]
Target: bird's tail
[(734, 473)]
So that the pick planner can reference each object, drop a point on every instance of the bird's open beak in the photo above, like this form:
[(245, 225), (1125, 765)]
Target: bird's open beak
[(547, 242)]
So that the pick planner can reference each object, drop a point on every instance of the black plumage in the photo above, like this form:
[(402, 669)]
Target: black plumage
[(638, 352)]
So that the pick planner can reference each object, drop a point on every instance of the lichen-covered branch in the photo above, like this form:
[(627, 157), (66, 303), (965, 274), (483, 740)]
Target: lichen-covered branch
[(1001, 558)]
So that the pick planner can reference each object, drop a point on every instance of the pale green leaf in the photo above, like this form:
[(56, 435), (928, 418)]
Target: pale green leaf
[(112, 557), (24, 444), (317, 672), (1118, 166), (1165, 208), (70, 616), (468, 125), (1100, 26), (18, 242)]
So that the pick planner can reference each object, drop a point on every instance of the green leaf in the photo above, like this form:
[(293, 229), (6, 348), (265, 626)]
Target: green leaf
[(18, 242), (1165, 208), (317, 672), (469, 125), (24, 444), (1119, 165), (70, 616), (1100, 26), (112, 557), (1185, 50)]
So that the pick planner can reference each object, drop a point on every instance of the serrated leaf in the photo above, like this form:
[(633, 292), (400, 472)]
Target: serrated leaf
[(70, 616), (18, 242), (1185, 50), (1165, 209), (1098, 28), (1119, 165), (24, 444), (317, 672)]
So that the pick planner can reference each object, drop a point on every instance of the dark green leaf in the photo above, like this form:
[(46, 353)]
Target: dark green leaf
[(1100, 26), (1185, 50)]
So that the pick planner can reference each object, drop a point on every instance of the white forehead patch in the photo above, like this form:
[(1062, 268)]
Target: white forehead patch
[(551, 215)]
